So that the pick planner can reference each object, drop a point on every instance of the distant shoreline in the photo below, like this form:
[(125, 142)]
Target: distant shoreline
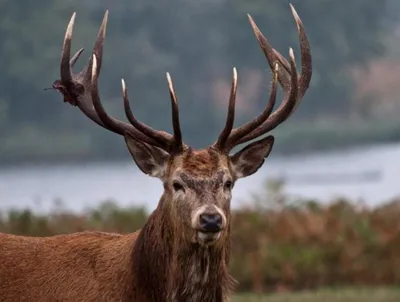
[(290, 141)]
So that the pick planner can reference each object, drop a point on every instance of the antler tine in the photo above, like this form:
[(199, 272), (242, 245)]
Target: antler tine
[(177, 143), (97, 50), (287, 76), (84, 78), (110, 122), (284, 110), (72, 86), (75, 58), (238, 133), (220, 144), (270, 53), (164, 139), (306, 69), (65, 68), (306, 61), (67, 63)]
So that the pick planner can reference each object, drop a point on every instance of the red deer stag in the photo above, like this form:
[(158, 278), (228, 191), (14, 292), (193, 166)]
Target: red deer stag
[(182, 252)]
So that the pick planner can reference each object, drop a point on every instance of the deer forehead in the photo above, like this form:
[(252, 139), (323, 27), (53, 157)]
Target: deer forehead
[(201, 164)]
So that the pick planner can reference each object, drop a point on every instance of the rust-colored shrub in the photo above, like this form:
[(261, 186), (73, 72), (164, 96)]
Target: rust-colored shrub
[(296, 246)]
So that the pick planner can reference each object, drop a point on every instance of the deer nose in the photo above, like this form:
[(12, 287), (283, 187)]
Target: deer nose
[(210, 222)]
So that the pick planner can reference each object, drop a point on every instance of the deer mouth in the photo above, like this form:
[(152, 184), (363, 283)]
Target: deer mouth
[(209, 236)]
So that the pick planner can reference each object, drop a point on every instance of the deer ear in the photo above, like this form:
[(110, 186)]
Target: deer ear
[(151, 160), (248, 160)]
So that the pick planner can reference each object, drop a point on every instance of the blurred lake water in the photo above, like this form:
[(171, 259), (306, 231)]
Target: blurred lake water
[(322, 176)]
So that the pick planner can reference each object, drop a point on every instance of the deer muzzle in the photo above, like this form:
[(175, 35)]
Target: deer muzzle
[(209, 221)]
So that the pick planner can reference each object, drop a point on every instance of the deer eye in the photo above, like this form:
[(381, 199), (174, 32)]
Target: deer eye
[(177, 186), (228, 184)]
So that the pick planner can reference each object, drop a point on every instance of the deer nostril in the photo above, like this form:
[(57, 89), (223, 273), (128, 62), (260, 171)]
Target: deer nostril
[(210, 222)]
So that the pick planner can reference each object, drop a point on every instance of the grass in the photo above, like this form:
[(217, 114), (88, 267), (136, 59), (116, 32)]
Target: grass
[(327, 295)]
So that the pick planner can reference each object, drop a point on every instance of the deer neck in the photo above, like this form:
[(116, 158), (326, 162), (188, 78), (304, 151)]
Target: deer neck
[(165, 265), (200, 273)]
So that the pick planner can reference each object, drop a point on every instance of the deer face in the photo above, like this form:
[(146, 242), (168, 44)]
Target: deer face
[(198, 183)]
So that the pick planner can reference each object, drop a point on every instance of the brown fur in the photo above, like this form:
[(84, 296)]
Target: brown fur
[(201, 161), (161, 262)]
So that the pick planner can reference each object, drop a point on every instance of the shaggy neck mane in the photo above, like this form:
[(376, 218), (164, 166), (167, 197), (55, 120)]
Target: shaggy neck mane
[(168, 268)]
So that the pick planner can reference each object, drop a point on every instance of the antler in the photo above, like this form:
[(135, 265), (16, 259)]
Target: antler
[(81, 90), (294, 90)]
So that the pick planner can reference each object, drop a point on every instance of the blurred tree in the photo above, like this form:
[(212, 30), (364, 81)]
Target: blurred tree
[(197, 41)]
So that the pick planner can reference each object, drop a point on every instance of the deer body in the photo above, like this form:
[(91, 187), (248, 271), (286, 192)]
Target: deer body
[(86, 266), (182, 252)]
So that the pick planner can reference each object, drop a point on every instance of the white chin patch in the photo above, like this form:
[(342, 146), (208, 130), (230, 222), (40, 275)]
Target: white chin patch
[(208, 237)]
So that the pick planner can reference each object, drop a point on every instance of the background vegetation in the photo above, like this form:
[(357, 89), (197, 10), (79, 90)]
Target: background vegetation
[(331, 295), (294, 244), (355, 59)]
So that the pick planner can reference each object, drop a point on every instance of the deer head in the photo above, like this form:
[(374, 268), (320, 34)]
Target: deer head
[(197, 183)]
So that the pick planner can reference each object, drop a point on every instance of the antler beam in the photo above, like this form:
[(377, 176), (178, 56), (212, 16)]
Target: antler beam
[(81, 90), (294, 90)]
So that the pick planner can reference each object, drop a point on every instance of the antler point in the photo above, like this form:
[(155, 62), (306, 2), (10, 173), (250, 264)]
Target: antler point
[(295, 15), (169, 79), (250, 19), (291, 53), (235, 75), (70, 25), (94, 68), (104, 24)]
